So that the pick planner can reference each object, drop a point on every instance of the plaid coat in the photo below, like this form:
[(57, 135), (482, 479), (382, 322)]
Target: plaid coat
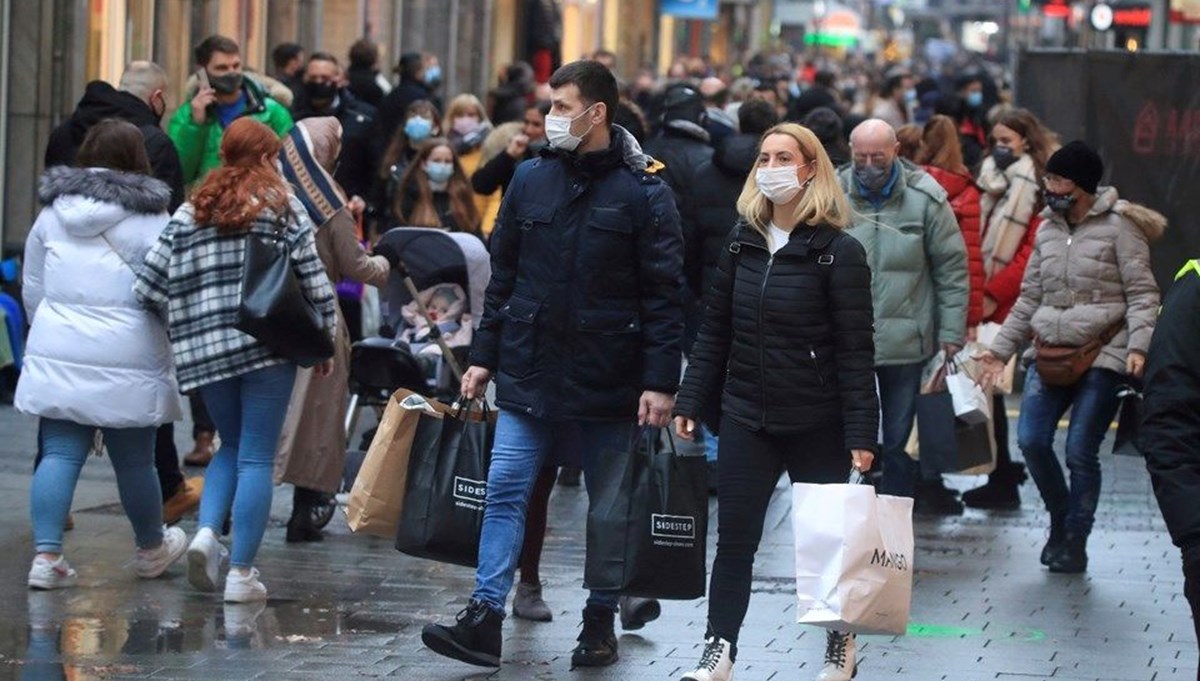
[(193, 278)]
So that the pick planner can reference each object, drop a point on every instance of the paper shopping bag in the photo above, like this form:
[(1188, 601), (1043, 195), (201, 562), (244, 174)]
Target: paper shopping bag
[(973, 432), (378, 492), (854, 558)]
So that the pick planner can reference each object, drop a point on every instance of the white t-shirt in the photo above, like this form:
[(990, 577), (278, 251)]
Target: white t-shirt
[(778, 239)]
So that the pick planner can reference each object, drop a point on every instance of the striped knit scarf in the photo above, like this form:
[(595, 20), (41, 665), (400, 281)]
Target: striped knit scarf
[(1010, 198), (314, 186)]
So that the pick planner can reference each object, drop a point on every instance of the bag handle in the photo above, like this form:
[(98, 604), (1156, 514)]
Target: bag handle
[(856, 477)]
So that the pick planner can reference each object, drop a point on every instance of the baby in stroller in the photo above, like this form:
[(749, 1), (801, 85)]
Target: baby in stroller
[(446, 306)]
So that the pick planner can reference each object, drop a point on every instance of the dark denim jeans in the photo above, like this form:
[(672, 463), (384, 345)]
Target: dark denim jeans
[(521, 445), (1093, 403), (898, 389)]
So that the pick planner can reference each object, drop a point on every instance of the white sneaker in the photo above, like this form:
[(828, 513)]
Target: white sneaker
[(151, 563), (840, 662), (716, 663), (205, 556), (51, 574), (244, 587), (241, 619)]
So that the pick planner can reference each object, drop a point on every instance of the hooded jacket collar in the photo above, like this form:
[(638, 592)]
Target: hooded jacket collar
[(1151, 223), (736, 155), (91, 200), (803, 239), (623, 149), (100, 101)]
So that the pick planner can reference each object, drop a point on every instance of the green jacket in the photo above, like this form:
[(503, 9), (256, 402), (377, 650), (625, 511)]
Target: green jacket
[(199, 145), (919, 280)]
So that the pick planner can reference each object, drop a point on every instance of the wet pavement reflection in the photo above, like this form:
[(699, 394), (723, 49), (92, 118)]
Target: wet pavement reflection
[(64, 638)]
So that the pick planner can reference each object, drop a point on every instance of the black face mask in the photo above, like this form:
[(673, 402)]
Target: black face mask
[(1059, 203), (320, 92), (226, 84), (1003, 156)]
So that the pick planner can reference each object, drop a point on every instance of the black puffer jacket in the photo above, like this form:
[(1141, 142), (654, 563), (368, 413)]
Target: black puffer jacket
[(789, 337), (718, 183), (583, 312), (101, 100)]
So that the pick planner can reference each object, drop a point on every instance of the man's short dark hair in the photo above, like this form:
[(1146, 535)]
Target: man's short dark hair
[(284, 53), (215, 43), (756, 116), (825, 78), (363, 54), (965, 80), (595, 82), (324, 56), (410, 65)]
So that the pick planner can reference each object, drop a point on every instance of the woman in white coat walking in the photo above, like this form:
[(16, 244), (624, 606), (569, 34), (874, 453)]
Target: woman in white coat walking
[(96, 360)]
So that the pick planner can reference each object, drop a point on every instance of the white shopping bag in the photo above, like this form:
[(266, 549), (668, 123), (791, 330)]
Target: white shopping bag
[(854, 558)]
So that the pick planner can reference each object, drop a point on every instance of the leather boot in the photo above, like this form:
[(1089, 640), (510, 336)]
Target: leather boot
[(202, 451)]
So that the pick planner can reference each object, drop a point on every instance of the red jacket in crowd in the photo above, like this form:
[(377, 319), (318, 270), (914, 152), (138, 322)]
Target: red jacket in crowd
[(964, 200), (1005, 286)]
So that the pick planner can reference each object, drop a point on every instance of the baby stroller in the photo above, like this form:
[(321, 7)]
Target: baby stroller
[(431, 307)]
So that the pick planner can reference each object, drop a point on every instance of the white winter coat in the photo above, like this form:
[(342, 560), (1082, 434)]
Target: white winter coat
[(94, 355)]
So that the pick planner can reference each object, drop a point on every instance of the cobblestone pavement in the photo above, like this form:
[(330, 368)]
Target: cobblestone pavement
[(352, 607)]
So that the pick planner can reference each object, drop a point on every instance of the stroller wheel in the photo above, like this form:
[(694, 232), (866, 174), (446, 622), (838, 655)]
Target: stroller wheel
[(323, 513)]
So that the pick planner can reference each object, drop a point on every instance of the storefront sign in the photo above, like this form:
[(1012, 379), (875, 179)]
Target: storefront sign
[(690, 9)]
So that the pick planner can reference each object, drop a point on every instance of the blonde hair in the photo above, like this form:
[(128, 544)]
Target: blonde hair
[(464, 105), (823, 202)]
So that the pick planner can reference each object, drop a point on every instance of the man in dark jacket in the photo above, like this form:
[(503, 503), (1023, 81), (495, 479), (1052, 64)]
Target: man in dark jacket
[(141, 100), (321, 96), (581, 328), (823, 93), (412, 87), (716, 186), (1169, 437), (682, 144), (365, 81)]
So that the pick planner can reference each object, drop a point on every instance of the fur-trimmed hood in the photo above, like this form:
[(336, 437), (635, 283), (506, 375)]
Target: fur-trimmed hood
[(1151, 222), (91, 200)]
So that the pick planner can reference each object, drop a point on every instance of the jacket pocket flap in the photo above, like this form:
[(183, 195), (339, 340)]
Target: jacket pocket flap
[(609, 321), (612, 219), (531, 213), (521, 309)]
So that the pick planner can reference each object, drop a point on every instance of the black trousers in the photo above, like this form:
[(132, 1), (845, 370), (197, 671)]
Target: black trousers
[(1191, 586), (748, 466), (201, 421)]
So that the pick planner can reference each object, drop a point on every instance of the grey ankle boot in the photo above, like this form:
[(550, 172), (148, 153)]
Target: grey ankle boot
[(528, 604)]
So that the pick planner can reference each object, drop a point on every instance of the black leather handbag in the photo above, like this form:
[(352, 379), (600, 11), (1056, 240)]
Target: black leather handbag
[(274, 308)]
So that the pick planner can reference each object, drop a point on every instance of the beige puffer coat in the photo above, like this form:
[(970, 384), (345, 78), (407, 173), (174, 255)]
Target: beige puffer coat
[(1080, 281)]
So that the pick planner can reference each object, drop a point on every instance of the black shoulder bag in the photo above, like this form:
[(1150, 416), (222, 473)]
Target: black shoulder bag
[(274, 309)]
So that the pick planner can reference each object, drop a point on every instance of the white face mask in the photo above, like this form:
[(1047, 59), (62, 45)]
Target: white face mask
[(780, 184), (558, 131)]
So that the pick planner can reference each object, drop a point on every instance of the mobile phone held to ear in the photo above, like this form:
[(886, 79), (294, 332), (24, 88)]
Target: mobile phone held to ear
[(202, 76)]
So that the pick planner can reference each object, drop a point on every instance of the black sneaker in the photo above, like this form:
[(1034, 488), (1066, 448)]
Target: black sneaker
[(474, 639), (1054, 545), (1072, 558), (597, 642), (1000, 492), (637, 612), (933, 498)]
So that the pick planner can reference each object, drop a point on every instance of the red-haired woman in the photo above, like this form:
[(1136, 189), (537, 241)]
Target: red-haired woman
[(193, 278)]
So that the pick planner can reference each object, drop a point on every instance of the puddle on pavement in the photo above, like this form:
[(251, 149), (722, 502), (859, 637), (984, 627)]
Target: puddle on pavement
[(63, 633)]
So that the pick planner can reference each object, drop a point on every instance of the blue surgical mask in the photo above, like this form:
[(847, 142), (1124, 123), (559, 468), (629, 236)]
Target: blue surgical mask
[(418, 129), (439, 172), (910, 95), (433, 75), (975, 100)]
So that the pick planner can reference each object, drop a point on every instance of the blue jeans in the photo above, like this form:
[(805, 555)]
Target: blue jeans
[(65, 446), (898, 389), (248, 411), (1093, 403), (521, 445)]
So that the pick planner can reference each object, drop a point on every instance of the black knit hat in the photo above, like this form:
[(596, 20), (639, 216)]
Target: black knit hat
[(1078, 163)]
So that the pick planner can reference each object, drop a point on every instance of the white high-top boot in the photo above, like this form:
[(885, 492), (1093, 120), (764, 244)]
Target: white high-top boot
[(716, 663), (840, 662)]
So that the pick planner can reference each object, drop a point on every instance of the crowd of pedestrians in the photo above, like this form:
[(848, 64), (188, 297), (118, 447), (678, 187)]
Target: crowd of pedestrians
[(808, 235)]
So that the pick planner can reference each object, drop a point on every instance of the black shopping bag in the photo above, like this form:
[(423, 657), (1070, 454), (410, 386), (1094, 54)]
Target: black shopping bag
[(1129, 419), (973, 443), (937, 431), (648, 522), (447, 488)]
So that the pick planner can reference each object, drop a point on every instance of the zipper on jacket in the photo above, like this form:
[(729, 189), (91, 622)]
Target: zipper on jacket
[(762, 349), (812, 352)]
